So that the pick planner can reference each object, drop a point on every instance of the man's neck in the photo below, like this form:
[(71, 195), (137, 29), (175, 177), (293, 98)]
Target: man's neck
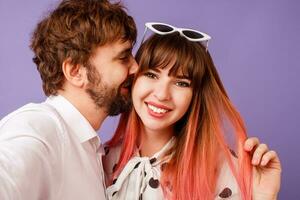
[(86, 107)]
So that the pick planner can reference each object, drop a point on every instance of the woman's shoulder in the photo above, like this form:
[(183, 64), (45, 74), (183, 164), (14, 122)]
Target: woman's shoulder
[(227, 186), (111, 157)]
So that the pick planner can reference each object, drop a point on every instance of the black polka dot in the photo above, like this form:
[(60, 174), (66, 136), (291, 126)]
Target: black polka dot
[(106, 149), (137, 165), (169, 186), (152, 160), (141, 197), (114, 193), (233, 153), (163, 166), (225, 193), (114, 168), (114, 181), (154, 183), (145, 174)]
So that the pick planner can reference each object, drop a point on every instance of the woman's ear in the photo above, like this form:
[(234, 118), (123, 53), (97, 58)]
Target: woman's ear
[(75, 74)]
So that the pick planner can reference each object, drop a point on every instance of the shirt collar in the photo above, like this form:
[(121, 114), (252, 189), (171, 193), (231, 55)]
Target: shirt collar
[(146, 173), (162, 152), (75, 120)]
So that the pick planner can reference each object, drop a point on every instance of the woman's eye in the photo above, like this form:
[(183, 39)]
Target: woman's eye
[(183, 84), (150, 75)]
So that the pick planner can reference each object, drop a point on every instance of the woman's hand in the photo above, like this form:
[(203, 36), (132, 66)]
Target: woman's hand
[(266, 170)]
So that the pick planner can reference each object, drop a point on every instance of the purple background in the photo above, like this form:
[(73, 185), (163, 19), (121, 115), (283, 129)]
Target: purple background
[(255, 46)]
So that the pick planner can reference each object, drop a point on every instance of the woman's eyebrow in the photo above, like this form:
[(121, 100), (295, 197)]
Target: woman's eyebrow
[(178, 76), (182, 77), (156, 69)]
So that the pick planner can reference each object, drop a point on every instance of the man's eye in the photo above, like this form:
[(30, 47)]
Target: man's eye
[(124, 58), (150, 75), (183, 84)]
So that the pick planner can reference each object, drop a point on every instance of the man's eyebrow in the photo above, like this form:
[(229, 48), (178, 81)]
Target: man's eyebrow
[(124, 52)]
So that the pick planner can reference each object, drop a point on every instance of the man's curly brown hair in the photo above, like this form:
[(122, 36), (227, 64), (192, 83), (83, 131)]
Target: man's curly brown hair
[(72, 31)]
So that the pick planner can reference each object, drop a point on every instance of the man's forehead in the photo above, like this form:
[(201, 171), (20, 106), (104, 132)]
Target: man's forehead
[(115, 48), (122, 45)]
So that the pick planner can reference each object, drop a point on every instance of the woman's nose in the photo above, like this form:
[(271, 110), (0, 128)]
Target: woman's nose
[(162, 91)]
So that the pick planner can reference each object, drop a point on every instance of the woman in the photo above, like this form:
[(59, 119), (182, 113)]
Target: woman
[(176, 143)]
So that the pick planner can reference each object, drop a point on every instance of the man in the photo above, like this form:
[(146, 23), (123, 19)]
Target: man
[(51, 150)]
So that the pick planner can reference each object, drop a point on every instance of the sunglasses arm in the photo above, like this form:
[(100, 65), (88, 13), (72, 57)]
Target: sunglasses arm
[(144, 35), (206, 49)]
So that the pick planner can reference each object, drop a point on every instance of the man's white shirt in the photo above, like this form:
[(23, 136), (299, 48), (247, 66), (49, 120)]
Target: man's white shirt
[(50, 151)]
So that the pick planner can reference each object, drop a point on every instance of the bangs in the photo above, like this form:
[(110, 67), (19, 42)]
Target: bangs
[(159, 51)]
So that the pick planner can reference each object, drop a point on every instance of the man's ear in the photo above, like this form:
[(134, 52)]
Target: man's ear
[(75, 74)]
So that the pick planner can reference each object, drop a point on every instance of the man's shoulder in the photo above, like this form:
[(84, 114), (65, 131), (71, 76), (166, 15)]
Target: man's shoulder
[(31, 118), (28, 113)]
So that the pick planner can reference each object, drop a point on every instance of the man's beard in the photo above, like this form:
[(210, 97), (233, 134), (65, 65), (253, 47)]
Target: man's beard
[(106, 97), (110, 99)]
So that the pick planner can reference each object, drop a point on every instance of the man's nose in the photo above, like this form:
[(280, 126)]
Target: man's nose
[(133, 67)]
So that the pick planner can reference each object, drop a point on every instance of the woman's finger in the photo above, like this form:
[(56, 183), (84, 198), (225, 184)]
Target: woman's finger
[(270, 155), (250, 143), (258, 153)]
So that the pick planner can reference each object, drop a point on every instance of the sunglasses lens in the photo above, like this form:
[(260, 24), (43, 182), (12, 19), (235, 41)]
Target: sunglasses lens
[(162, 28), (192, 34)]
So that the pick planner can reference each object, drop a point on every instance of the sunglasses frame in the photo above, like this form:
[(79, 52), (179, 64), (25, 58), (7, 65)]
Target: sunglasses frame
[(149, 25)]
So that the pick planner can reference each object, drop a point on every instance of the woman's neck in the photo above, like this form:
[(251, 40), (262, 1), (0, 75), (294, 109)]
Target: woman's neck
[(152, 141)]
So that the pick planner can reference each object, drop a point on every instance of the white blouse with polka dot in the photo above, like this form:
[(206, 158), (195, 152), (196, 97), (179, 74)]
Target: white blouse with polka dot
[(140, 177)]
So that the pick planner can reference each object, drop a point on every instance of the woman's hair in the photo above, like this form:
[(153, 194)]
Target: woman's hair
[(202, 133), (72, 31)]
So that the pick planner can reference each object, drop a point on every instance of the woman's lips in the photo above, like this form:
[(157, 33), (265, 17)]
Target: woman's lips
[(156, 110)]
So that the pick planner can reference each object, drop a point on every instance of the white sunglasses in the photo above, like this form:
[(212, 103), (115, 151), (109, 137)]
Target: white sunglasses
[(164, 29)]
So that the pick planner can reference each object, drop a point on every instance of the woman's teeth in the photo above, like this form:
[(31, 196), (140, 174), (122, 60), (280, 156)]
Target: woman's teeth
[(157, 110)]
